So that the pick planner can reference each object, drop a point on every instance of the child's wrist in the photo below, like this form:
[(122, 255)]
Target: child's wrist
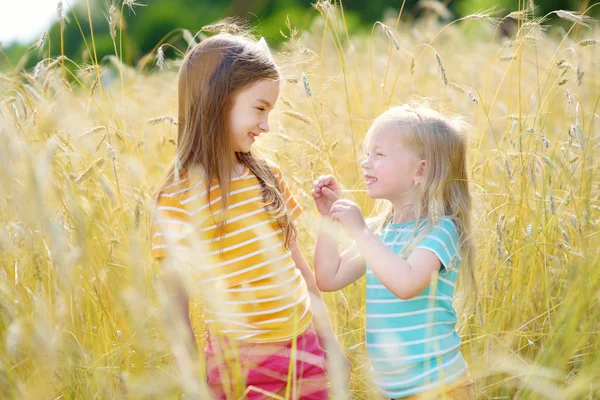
[(362, 233)]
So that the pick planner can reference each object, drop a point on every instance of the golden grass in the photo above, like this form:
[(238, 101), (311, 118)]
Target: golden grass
[(81, 310)]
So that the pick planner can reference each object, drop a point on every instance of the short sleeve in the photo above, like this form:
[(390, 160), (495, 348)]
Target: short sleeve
[(442, 240), (293, 208), (170, 224)]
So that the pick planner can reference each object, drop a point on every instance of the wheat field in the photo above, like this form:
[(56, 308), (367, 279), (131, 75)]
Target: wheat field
[(82, 313)]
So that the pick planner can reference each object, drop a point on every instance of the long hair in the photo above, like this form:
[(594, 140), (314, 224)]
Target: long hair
[(445, 192), (211, 74)]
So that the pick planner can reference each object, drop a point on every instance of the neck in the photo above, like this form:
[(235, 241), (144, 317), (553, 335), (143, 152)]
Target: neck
[(238, 169), (404, 208), (404, 213)]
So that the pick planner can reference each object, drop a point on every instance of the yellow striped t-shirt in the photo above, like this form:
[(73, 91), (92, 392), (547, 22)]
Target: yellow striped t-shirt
[(252, 288)]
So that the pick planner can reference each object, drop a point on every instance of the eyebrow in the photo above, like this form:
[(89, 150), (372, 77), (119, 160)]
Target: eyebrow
[(265, 103)]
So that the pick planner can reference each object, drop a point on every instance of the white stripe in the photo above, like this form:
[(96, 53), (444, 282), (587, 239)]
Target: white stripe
[(204, 192), (236, 232), (376, 287), (396, 300), (283, 319), (271, 274), (291, 212), (234, 219), (404, 344), (176, 183), (448, 254), (267, 299), (229, 321), (169, 208), (406, 314), (186, 189), (398, 230), (253, 314), (383, 287), (230, 206), (241, 203), (417, 356), (450, 237), (246, 337), (226, 249), (246, 256), (401, 243), (172, 221), (420, 389), (410, 328), (169, 234), (446, 281), (254, 332), (170, 246), (242, 271), (422, 375), (198, 195), (270, 321), (266, 287)]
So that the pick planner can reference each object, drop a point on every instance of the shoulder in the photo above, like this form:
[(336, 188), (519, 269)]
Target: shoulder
[(175, 190), (274, 168), (446, 228)]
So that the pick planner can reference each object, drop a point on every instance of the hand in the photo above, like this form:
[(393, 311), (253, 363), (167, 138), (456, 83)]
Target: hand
[(348, 214), (339, 369), (325, 192)]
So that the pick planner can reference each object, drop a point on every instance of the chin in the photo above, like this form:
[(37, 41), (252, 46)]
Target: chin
[(373, 194)]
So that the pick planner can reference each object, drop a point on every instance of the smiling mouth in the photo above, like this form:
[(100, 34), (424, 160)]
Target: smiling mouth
[(253, 136), (370, 180)]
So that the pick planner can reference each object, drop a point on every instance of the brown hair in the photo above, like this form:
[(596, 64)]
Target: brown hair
[(211, 74)]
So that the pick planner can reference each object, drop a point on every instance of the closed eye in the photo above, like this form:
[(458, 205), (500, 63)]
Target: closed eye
[(261, 108)]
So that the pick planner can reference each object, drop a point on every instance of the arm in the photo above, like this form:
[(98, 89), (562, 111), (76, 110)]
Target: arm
[(177, 292), (322, 324), (333, 270), (336, 357), (405, 278)]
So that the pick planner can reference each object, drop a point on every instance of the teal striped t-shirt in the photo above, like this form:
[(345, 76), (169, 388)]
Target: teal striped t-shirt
[(412, 344)]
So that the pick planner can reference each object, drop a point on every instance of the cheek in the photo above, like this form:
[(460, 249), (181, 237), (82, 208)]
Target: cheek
[(381, 169)]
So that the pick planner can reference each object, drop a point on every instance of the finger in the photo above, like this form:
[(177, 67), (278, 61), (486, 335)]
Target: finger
[(329, 194), (335, 216), (315, 194), (338, 208), (341, 202)]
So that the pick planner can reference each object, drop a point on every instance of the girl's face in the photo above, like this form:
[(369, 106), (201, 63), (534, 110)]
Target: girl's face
[(392, 170), (249, 115)]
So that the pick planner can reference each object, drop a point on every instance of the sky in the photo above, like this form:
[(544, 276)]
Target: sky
[(25, 20)]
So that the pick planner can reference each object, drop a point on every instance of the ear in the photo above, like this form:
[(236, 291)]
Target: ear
[(419, 177)]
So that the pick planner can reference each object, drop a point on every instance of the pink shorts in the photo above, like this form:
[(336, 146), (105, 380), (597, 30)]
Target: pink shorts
[(242, 370)]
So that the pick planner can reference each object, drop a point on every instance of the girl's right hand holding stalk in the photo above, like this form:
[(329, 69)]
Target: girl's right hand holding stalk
[(325, 192)]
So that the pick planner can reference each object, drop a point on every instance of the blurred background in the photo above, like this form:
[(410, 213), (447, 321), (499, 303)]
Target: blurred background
[(88, 126), (145, 24)]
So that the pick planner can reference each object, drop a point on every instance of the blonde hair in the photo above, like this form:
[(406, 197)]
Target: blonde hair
[(211, 74), (445, 192)]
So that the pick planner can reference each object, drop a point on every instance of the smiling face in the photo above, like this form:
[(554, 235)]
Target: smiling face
[(249, 115), (391, 169)]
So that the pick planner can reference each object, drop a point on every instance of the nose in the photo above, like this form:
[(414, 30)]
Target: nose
[(365, 164), (264, 125)]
